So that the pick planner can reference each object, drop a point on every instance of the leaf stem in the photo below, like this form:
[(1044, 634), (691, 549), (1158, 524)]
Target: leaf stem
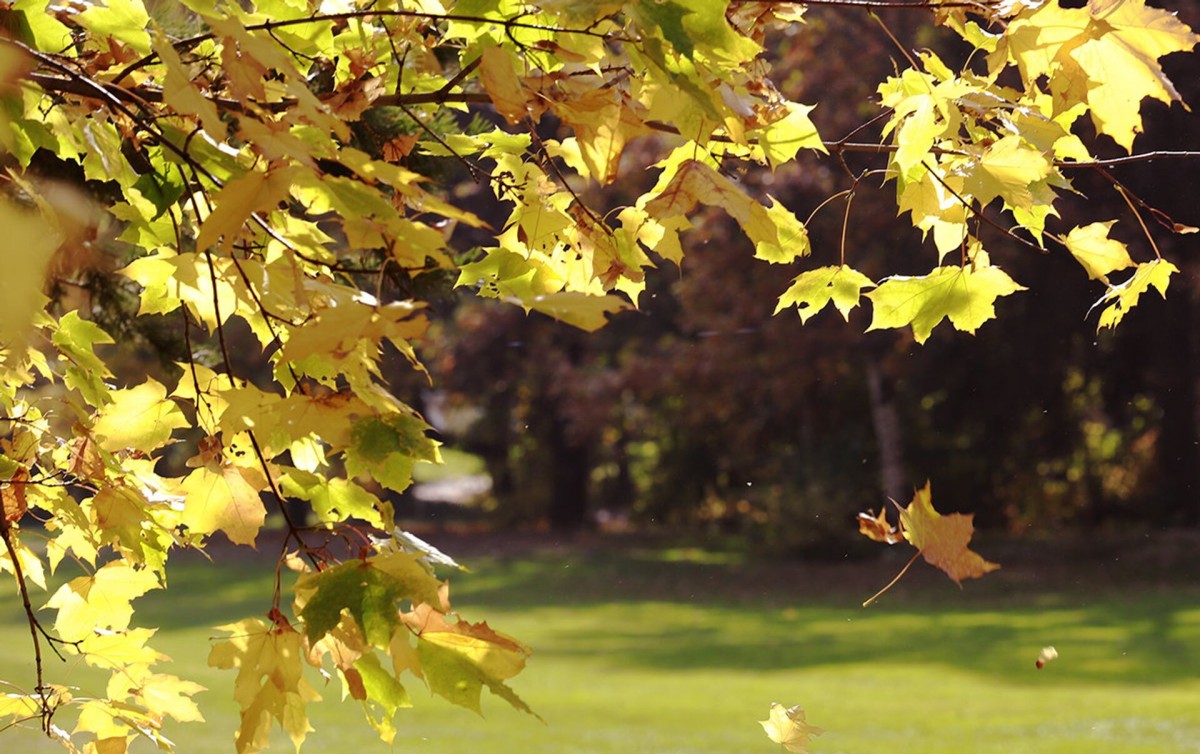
[(892, 583)]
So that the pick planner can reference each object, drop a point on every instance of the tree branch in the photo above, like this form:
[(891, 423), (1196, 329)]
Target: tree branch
[(34, 626)]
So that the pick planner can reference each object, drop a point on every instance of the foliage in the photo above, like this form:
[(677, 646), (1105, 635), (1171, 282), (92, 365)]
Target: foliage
[(207, 159)]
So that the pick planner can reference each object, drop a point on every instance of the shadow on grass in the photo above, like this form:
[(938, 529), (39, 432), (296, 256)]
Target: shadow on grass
[(681, 609), (641, 609)]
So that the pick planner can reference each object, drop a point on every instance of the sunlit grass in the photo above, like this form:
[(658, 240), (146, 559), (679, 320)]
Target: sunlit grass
[(675, 651)]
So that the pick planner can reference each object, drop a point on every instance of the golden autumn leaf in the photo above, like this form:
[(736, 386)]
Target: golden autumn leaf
[(877, 527), (786, 726), (499, 77), (943, 539), (270, 680), (225, 497)]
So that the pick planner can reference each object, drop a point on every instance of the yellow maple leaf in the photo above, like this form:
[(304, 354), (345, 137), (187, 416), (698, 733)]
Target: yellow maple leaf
[(778, 236), (498, 75), (253, 191), (99, 601), (604, 123), (1099, 254), (943, 540), (1124, 296), (1007, 169), (224, 497), (787, 726), (811, 291), (1108, 58), (140, 417), (270, 681)]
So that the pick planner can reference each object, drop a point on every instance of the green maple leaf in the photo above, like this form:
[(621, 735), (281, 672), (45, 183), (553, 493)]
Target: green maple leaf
[(459, 658), (812, 290), (141, 417), (387, 447), (369, 591), (333, 500), (668, 17), (75, 338), (964, 296)]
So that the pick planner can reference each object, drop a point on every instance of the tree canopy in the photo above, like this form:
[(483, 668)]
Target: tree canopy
[(285, 184)]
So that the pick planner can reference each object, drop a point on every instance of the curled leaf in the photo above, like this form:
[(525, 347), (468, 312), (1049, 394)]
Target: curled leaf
[(877, 528), (12, 496), (1046, 655)]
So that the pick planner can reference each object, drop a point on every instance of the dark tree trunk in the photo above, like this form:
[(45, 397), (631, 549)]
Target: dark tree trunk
[(570, 474), (1179, 454), (885, 416)]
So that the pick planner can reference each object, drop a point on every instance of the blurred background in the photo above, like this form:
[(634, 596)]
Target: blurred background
[(701, 410)]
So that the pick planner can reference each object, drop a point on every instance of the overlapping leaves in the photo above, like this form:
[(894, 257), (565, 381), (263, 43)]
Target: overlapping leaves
[(246, 203)]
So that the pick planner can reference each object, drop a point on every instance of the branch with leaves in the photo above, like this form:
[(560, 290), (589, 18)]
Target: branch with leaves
[(219, 167)]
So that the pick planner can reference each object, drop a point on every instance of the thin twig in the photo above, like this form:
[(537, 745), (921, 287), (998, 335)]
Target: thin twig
[(34, 626), (979, 213)]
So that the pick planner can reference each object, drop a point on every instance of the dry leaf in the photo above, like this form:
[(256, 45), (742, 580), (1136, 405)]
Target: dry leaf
[(13, 496), (943, 540), (877, 527), (1046, 655), (787, 726)]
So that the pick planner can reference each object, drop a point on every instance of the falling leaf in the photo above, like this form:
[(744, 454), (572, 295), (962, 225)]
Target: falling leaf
[(943, 540), (787, 726), (1046, 655), (877, 527)]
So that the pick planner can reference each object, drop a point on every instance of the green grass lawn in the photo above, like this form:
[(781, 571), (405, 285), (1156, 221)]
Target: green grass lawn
[(659, 650)]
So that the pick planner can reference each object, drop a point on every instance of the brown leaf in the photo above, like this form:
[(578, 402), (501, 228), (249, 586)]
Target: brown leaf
[(877, 528), (943, 540), (13, 497)]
